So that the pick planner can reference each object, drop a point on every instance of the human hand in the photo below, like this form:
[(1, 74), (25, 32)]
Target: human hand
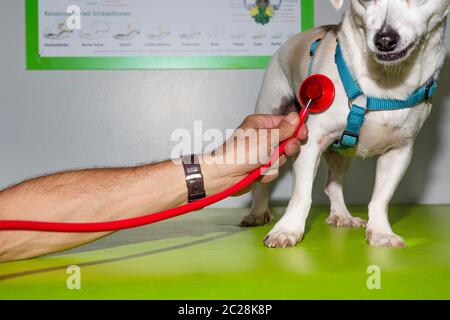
[(251, 146)]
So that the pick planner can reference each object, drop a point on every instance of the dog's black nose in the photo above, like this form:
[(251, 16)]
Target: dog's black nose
[(387, 40)]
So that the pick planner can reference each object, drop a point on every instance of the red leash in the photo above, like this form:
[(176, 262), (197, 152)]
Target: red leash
[(316, 94)]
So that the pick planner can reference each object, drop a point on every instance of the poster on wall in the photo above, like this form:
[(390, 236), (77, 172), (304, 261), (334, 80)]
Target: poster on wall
[(160, 34)]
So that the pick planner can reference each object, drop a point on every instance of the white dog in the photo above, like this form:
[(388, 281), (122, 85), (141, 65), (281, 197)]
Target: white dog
[(392, 48)]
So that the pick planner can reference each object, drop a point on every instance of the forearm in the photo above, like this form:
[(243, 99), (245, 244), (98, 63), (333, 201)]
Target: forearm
[(90, 196)]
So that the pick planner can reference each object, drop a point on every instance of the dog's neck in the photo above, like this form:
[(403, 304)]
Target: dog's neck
[(391, 82)]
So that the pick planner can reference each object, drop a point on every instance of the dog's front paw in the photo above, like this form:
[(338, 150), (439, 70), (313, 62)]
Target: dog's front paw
[(378, 239), (345, 222), (256, 220), (282, 239)]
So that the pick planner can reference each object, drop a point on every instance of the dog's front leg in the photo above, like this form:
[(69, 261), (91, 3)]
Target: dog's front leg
[(339, 214), (291, 227), (391, 167)]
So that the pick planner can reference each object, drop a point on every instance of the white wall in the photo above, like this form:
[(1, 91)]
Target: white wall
[(51, 121)]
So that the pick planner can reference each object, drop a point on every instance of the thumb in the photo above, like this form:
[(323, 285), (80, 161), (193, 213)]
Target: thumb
[(288, 126)]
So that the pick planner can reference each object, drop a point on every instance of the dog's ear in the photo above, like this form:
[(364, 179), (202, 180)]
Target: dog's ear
[(337, 3)]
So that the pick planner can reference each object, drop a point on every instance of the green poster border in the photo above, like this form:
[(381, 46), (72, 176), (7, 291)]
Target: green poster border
[(35, 62)]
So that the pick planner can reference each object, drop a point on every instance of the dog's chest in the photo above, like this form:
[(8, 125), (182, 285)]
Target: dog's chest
[(384, 130)]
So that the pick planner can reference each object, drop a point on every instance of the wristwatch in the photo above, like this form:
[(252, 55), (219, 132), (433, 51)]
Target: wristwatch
[(194, 178)]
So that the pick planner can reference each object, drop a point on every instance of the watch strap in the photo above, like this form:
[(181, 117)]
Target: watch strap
[(194, 178)]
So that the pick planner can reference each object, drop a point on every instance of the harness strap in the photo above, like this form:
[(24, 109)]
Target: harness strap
[(312, 52), (424, 93), (351, 86), (315, 43), (350, 137)]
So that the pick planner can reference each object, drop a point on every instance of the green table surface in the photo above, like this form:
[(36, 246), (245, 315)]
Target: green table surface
[(205, 255)]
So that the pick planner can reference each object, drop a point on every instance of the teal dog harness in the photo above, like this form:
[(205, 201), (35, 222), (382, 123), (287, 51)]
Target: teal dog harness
[(356, 117)]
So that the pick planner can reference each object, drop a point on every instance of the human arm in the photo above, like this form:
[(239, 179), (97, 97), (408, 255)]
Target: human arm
[(98, 195)]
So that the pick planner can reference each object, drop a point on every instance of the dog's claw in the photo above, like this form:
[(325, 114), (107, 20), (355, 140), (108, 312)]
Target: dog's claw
[(254, 220), (377, 239), (346, 222), (282, 240)]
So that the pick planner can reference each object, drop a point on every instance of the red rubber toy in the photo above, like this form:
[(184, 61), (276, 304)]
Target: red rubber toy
[(318, 88)]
